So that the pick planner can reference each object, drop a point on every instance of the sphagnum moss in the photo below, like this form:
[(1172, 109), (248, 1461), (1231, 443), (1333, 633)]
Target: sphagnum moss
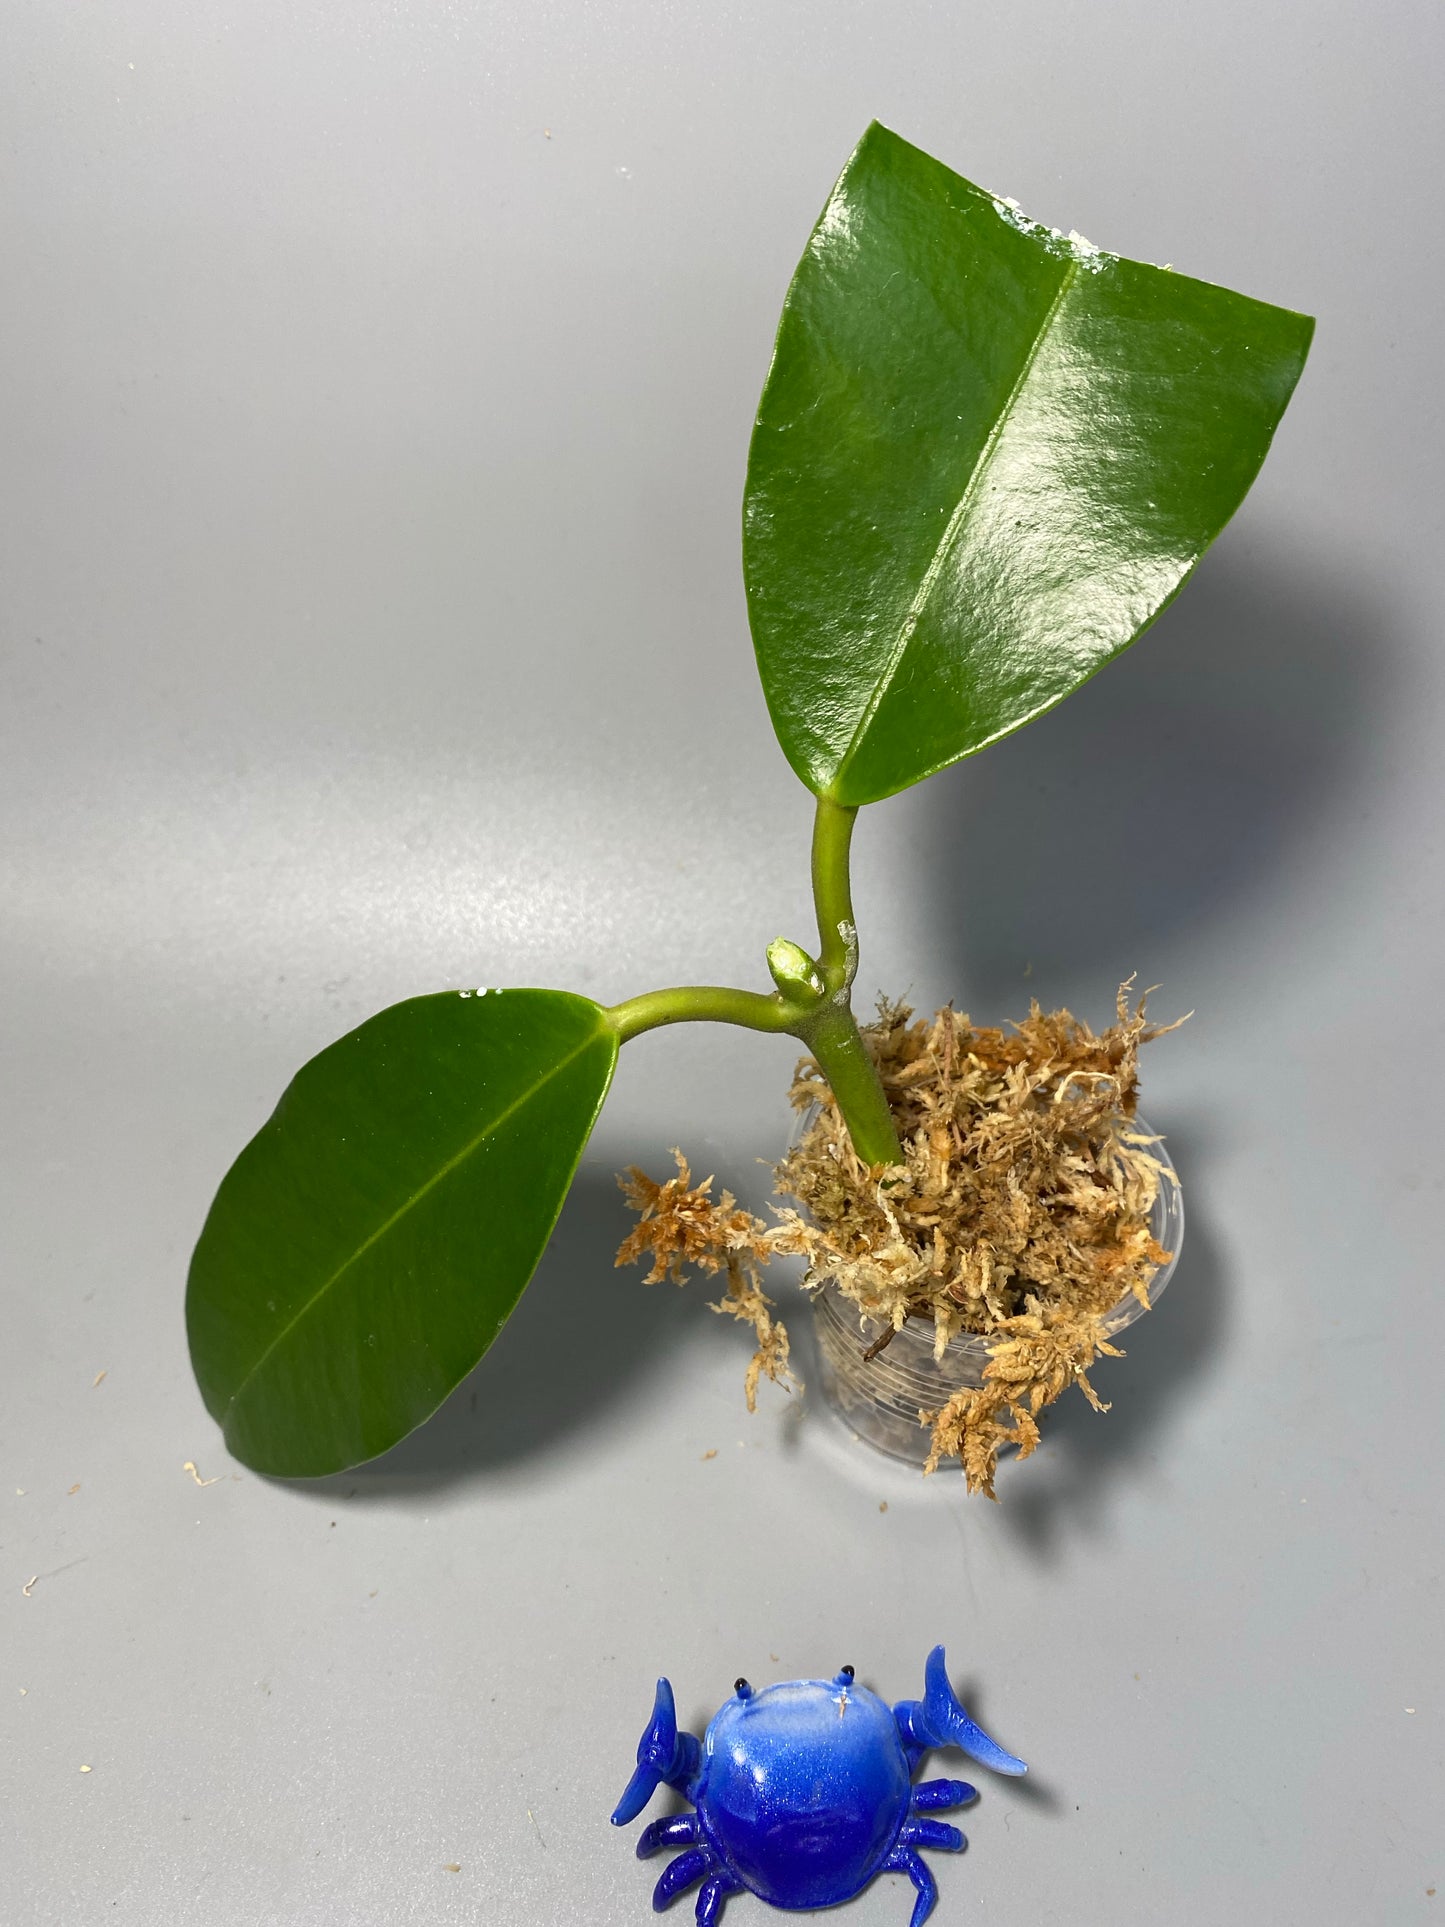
[(1021, 1211)]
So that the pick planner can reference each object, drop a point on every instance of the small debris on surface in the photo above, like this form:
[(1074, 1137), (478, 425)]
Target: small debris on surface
[(96, 1380), (882, 1505), (452, 1866), (54, 1573), (190, 1466), (709, 1455), (85, 1769), (73, 1490)]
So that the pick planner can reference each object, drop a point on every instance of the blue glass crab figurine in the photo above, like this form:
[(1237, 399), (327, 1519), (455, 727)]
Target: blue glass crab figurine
[(804, 1790)]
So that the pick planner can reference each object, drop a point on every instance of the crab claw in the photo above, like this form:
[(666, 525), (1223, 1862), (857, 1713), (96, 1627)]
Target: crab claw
[(950, 1725), (663, 1754)]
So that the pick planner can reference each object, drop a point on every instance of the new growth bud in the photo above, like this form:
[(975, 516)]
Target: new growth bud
[(793, 970)]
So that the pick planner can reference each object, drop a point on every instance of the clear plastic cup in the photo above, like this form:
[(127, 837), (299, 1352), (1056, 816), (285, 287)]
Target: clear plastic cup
[(880, 1398)]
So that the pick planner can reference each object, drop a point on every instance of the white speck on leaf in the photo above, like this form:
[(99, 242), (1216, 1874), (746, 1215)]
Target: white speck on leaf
[(1072, 246)]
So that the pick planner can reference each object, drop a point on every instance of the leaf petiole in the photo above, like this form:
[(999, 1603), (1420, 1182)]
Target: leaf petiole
[(704, 1004), (833, 893)]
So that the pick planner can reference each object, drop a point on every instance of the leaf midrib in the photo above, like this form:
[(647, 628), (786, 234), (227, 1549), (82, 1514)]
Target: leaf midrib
[(955, 522), (410, 1204)]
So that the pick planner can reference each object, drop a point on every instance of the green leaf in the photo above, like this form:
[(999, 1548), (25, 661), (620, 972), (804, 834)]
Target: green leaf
[(372, 1239), (986, 457)]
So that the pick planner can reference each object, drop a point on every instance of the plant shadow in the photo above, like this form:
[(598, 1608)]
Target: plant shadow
[(1168, 794), (581, 1338), (1149, 820)]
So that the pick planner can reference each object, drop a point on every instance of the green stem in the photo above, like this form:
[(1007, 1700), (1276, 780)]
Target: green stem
[(815, 1010), (702, 1003), (833, 1036), (833, 893), (832, 1033)]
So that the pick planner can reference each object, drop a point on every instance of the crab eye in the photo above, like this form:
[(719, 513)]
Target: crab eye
[(743, 1689), (846, 1672)]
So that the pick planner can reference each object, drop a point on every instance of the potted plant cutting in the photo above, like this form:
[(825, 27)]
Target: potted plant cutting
[(987, 455)]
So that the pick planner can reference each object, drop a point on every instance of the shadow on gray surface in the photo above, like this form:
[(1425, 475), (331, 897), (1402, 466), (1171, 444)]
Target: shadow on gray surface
[(1168, 791), (580, 1340), (1168, 796)]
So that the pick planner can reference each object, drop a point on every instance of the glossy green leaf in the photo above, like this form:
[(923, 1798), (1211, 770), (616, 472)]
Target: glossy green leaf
[(371, 1240), (986, 456)]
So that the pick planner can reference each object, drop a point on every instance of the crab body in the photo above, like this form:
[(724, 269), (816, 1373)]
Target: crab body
[(804, 1791)]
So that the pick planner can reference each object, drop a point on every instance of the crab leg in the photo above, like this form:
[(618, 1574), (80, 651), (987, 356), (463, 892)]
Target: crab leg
[(937, 1796), (714, 1892), (680, 1830), (663, 1755), (938, 1719), (905, 1860), (931, 1833), (687, 1868)]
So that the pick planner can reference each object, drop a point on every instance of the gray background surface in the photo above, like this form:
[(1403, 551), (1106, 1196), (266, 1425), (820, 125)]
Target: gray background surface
[(376, 387)]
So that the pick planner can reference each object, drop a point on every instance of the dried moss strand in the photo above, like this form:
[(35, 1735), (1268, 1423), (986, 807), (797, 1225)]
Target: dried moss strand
[(681, 1225)]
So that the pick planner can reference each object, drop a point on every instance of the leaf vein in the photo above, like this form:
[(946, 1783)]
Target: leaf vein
[(931, 574), (409, 1204)]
